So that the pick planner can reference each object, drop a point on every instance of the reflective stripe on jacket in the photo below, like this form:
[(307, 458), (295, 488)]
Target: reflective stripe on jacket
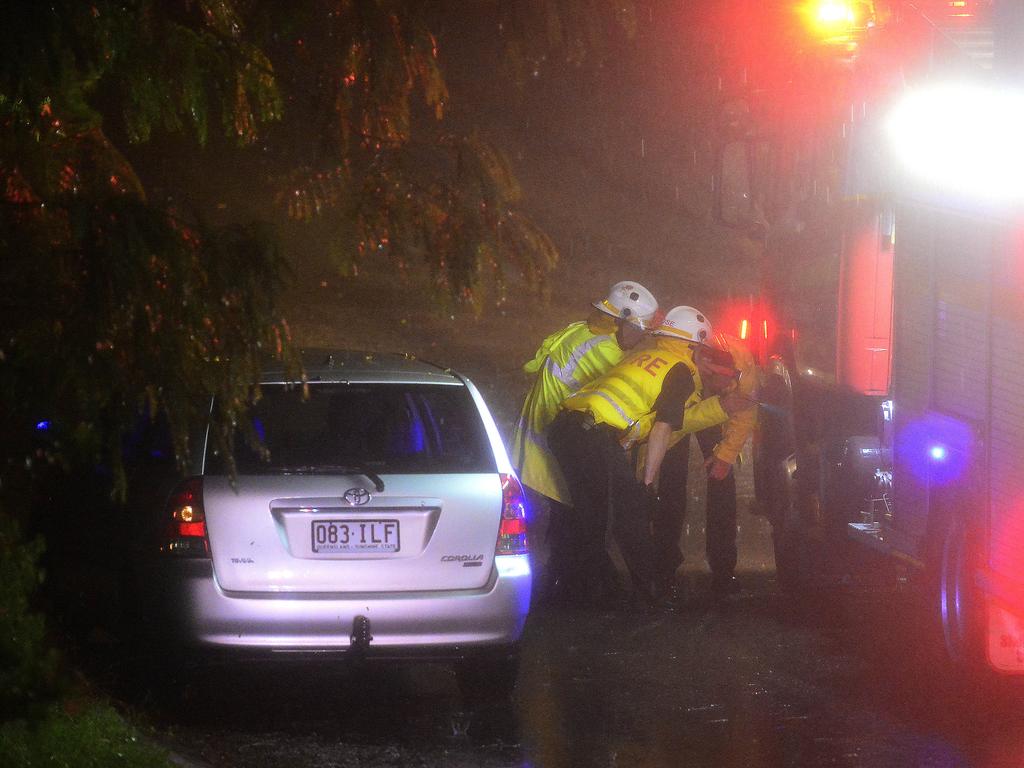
[(624, 397), (565, 361)]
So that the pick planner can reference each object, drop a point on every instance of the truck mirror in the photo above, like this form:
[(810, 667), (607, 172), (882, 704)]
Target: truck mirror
[(735, 203), (733, 189)]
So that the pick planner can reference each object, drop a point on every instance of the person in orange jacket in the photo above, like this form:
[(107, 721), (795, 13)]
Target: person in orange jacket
[(735, 370)]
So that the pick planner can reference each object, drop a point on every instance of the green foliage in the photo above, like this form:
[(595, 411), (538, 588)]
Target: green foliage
[(130, 310), (27, 666), (459, 218), (172, 73), (95, 737), (163, 65), (394, 183), (114, 306)]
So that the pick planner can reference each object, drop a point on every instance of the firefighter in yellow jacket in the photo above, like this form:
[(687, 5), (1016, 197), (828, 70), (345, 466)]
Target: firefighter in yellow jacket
[(729, 367), (656, 383), (566, 361)]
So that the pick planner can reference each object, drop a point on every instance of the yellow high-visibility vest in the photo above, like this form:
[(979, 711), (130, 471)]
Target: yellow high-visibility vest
[(565, 361), (737, 428), (624, 397)]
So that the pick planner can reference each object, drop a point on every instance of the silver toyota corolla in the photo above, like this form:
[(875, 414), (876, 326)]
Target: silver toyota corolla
[(377, 513)]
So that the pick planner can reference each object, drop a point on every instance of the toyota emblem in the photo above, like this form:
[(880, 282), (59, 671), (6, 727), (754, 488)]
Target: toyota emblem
[(357, 496)]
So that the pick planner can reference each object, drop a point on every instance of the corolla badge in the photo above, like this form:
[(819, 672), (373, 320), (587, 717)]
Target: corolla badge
[(357, 496)]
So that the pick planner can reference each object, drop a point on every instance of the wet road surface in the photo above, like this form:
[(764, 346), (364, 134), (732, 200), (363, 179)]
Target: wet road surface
[(751, 682), (844, 679)]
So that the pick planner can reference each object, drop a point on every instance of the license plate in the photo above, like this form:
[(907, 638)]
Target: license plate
[(1005, 639), (355, 536)]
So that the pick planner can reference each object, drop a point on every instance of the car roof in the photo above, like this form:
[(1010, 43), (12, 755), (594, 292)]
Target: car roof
[(345, 365)]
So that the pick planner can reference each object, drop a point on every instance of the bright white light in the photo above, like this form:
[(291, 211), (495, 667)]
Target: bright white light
[(512, 566), (963, 138), (832, 11), (938, 452)]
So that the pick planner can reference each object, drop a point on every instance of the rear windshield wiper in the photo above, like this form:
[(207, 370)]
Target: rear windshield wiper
[(334, 469)]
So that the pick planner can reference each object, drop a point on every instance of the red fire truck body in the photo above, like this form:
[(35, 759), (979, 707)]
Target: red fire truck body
[(891, 321)]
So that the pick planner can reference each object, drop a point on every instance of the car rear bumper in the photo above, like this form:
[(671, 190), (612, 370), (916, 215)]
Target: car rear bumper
[(439, 624)]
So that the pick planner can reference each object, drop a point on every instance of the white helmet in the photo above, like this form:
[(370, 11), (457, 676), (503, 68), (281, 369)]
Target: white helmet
[(685, 323), (630, 301)]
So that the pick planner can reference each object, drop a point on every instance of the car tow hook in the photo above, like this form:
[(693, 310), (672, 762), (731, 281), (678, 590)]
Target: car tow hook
[(360, 638)]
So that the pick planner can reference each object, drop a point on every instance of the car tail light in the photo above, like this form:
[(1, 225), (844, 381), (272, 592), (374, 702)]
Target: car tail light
[(512, 532), (185, 534)]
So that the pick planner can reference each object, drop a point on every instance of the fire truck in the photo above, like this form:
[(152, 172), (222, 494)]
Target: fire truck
[(885, 179)]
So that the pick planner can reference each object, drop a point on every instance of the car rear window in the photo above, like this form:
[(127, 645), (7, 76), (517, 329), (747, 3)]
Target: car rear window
[(383, 428)]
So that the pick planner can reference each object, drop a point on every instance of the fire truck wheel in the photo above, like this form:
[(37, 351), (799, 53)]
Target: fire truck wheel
[(956, 605), (955, 595)]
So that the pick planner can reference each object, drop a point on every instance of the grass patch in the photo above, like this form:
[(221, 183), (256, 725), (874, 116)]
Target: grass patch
[(95, 736)]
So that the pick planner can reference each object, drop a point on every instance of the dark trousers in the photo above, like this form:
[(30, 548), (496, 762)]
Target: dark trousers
[(550, 539), (670, 512), (602, 485)]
